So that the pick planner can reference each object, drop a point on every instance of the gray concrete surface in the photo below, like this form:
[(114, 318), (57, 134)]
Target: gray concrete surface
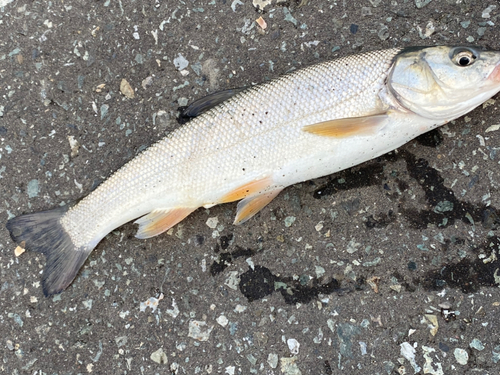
[(388, 268)]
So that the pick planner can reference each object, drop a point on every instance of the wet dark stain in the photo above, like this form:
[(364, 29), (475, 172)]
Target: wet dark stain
[(225, 240), (259, 282), (445, 208), (402, 185), (216, 249), (380, 220), (430, 139), (221, 264), (328, 368), (225, 259), (467, 275), (410, 287), (360, 283), (490, 218), (442, 209), (372, 174)]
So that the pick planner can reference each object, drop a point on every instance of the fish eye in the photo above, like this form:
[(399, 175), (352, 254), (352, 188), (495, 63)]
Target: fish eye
[(464, 58)]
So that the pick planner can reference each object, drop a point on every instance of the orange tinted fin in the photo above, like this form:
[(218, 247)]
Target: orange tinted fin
[(159, 221), (347, 127), (251, 188), (249, 206)]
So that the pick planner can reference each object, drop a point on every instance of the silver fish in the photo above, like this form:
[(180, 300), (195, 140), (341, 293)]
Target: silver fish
[(307, 124)]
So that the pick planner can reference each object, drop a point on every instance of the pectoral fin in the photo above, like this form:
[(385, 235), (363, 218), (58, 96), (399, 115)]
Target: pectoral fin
[(249, 206), (347, 127), (159, 221)]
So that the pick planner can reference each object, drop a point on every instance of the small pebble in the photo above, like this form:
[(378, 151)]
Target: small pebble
[(476, 344), (180, 62), (159, 357), (199, 330), (73, 143), (421, 3), (222, 320), (261, 22), (240, 308), (272, 360), (366, 11), (461, 356), (383, 33), (10, 345), (18, 251), (487, 11), (289, 220), (183, 101), (212, 222), (33, 188), (465, 24), (293, 345), (289, 366), (261, 4), (126, 89), (146, 82), (320, 271)]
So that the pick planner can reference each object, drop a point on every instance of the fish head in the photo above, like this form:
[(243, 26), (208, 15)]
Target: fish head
[(444, 83)]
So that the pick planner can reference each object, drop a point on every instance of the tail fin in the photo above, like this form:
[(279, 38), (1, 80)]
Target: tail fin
[(42, 232)]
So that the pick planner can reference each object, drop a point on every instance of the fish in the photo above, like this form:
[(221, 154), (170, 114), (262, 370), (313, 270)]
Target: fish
[(247, 145)]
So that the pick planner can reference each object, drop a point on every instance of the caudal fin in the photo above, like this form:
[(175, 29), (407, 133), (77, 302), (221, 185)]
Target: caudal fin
[(42, 232)]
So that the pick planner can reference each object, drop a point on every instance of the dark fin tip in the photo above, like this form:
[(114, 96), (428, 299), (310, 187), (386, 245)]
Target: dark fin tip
[(206, 103), (43, 233)]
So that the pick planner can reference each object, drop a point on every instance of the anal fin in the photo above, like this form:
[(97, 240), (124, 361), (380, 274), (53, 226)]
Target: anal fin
[(347, 127), (161, 220), (249, 206), (251, 188), (252, 196)]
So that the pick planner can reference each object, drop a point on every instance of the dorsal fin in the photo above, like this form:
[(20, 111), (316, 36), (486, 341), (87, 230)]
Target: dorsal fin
[(202, 105)]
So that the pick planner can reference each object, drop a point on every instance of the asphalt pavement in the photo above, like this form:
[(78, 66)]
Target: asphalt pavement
[(390, 267)]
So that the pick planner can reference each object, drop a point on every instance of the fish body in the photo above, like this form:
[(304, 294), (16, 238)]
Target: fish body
[(307, 124)]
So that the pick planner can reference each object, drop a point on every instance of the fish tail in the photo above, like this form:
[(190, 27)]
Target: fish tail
[(42, 232)]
